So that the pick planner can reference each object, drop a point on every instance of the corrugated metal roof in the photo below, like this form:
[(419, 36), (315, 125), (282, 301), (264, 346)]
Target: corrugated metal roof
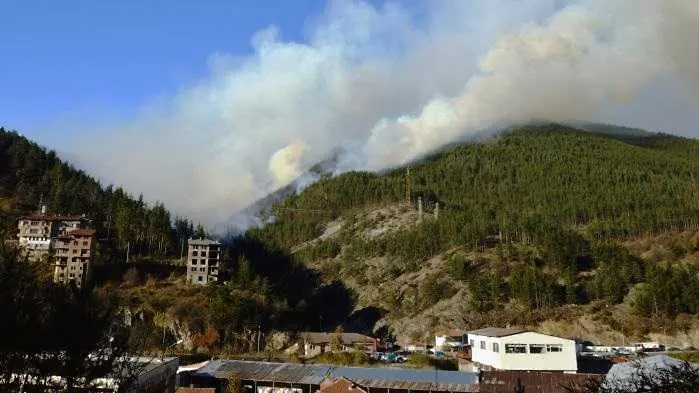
[(496, 332), (533, 381), (393, 378)]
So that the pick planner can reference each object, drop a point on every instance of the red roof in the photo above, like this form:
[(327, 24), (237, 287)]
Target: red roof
[(340, 386)]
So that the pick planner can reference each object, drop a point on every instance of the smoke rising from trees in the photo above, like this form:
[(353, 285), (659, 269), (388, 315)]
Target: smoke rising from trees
[(391, 83)]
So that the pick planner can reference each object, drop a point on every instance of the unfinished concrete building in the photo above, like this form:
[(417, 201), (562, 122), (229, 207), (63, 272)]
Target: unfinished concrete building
[(203, 261)]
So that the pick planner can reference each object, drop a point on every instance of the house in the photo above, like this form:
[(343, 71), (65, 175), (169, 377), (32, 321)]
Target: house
[(72, 258), (515, 349), (203, 261), (36, 232), (63, 241), (315, 343)]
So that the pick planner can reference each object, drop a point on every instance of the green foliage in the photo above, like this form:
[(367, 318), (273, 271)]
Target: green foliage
[(617, 271), (56, 330), (668, 290), (336, 342), (433, 290), (459, 268), (351, 358), (31, 175), (566, 196), (535, 288), (518, 187), (419, 360), (486, 291)]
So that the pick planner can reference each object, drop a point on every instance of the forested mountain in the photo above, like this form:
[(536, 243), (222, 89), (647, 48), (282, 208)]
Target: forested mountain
[(30, 176), (538, 217), (588, 232)]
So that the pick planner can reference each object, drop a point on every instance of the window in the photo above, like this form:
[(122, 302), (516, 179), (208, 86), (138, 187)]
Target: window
[(199, 278), (203, 253), (72, 275), (195, 254), (537, 348), (496, 347), (482, 344), (515, 348), (554, 348), (194, 261), (194, 269), (203, 269), (472, 342)]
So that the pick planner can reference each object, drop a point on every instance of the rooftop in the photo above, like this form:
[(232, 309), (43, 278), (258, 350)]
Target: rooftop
[(315, 374), (323, 337), (534, 381), (53, 217), (342, 385), (496, 332), (203, 242)]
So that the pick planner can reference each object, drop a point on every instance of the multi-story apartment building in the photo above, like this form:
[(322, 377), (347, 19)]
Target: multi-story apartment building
[(72, 256), (61, 240), (36, 231), (203, 261)]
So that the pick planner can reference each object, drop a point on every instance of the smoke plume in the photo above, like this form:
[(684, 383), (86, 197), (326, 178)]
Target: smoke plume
[(390, 83)]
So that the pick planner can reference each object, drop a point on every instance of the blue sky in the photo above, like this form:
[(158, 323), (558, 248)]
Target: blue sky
[(74, 58)]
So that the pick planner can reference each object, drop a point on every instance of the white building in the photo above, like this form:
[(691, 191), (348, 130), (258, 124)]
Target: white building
[(512, 349)]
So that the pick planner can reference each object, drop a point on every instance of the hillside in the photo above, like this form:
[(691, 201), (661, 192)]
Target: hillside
[(536, 224), (30, 175)]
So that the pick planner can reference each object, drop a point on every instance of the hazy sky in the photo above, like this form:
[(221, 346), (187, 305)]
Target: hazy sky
[(209, 105)]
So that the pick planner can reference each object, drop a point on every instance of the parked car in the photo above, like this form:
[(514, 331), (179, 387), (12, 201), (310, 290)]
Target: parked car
[(397, 357)]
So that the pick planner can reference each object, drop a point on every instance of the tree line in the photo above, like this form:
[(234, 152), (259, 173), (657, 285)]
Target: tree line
[(31, 176)]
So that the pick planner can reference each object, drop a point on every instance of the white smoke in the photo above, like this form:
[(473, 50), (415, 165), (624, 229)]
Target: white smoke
[(390, 86)]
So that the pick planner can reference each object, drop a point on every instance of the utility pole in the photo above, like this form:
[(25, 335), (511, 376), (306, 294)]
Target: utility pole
[(128, 248), (258, 338), (419, 208), (408, 195)]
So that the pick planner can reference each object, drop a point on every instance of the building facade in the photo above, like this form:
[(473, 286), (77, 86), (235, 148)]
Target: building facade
[(315, 343), (35, 232), (511, 349), (203, 261), (72, 256), (63, 241)]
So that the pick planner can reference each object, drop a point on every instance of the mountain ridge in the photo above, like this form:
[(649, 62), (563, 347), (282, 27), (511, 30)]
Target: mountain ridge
[(540, 202)]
